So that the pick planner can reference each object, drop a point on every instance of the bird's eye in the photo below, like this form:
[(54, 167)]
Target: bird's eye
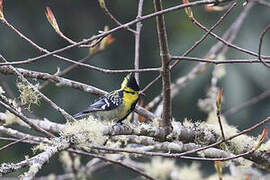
[(130, 92)]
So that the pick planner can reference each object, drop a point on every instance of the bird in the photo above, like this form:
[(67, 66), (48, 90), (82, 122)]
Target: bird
[(116, 105)]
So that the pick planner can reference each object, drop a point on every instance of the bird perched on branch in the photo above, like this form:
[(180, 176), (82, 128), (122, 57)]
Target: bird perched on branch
[(116, 105)]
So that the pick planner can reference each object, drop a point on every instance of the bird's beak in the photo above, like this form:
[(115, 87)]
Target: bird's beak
[(141, 94)]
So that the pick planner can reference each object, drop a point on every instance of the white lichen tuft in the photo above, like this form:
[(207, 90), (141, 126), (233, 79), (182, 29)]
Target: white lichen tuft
[(121, 140), (221, 71), (27, 95), (239, 144), (1, 90), (66, 160), (51, 177), (188, 123), (191, 172), (85, 132), (239, 173), (160, 168), (40, 147), (212, 119), (156, 122), (220, 68), (243, 143), (208, 104), (8, 118), (114, 157)]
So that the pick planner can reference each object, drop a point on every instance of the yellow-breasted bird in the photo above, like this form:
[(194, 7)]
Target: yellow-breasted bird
[(116, 105)]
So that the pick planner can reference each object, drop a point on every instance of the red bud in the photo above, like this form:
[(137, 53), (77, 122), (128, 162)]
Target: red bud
[(51, 19)]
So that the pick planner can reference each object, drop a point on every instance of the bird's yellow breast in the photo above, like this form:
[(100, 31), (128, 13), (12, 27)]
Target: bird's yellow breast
[(129, 98)]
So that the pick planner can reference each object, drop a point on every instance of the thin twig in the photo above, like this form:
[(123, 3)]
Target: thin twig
[(220, 126), (260, 46), (263, 2), (108, 13), (217, 61), (15, 139), (12, 143), (66, 70)]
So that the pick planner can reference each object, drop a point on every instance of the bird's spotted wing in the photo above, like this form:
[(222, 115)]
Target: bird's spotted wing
[(104, 103)]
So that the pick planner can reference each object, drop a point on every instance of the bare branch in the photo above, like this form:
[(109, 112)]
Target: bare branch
[(165, 70), (114, 162)]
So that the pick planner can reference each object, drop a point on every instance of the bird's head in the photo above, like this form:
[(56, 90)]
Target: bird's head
[(130, 83)]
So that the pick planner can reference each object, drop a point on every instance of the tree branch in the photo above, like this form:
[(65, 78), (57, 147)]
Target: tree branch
[(165, 70)]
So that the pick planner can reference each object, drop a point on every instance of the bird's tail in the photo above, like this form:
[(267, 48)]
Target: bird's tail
[(80, 115)]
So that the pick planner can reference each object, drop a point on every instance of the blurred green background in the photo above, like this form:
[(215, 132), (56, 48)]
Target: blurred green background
[(82, 19)]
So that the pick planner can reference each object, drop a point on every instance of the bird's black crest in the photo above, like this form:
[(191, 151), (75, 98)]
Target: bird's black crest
[(132, 83)]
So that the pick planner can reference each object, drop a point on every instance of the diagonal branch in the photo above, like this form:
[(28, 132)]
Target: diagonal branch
[(55, 106), (22, 117)]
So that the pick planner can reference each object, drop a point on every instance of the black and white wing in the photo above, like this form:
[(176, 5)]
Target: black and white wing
[(104, 103)]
